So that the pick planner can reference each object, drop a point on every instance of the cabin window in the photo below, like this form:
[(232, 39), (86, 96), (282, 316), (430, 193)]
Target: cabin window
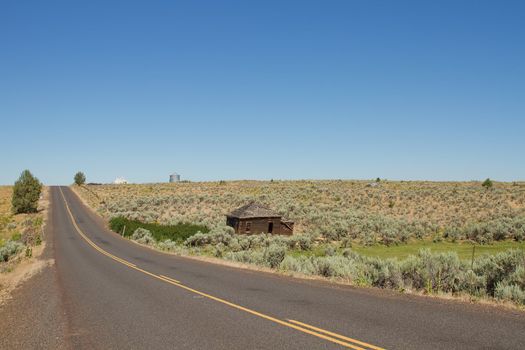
[(270, 227), (248, 227)]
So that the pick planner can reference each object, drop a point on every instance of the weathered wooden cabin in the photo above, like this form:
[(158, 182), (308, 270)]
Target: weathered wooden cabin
[(255, 218)]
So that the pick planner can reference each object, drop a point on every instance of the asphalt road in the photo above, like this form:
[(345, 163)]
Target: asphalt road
[(105, 292)]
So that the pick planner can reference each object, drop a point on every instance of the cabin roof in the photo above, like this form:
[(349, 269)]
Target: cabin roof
[(253, 210)]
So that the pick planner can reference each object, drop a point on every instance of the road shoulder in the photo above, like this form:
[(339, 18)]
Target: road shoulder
[(32, 316)]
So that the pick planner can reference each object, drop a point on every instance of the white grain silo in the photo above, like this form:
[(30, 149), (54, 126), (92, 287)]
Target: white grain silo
[(120, 181), (174, 177)]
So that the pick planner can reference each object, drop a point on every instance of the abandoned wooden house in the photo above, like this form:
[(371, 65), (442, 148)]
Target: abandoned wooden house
[(255, 218)]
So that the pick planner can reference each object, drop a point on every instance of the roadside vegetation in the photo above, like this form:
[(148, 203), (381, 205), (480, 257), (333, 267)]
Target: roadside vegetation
[(21, 220), (177, 233), (434, 238)]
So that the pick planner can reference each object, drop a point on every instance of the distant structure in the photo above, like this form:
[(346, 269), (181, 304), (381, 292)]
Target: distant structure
[(120, 181), (174, 177), (255, 218)]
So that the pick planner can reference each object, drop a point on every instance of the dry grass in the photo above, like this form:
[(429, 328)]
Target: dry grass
[(11, 224), (20, 267), (5, 211), (8, 221)]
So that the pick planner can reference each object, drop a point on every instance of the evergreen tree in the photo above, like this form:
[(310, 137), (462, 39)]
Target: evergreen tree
[(80, 178), (487, 184), (26, 193)]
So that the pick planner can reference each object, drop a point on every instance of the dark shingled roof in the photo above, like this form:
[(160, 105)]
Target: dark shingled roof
[(253, 210)]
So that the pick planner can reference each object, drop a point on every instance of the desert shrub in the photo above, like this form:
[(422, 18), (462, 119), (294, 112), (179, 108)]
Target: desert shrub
[(141, 235), (500, 231), (452, 233), (219, 250), (334, 266), (246, 256), (472, 283), (244, 243), (437, 238), (480, 233), (329, 251), (30, 233), (223, 235), (234, 245), (383, 273), (346, 243), (518, 277), (349, 253), (432, 272), (405, 235), (178, 232), (499, 268), (368, 241), (26, 193), (173, 247), (519, 235), (301, 264), (9, 249), (198, 240), (167, 245), (510, 292), (291, 263), (302, 242), (497, 229), (274, 255), (517, 228), (327, 266), (389, 237)]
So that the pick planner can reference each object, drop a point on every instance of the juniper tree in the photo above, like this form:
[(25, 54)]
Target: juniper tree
[(26, 193), (487, 183), (80, 178)]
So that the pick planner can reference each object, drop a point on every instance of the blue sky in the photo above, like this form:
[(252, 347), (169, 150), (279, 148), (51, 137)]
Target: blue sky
[(262, 89)]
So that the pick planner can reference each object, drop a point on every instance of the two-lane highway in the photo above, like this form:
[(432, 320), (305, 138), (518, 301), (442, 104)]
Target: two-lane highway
[(114, 294)]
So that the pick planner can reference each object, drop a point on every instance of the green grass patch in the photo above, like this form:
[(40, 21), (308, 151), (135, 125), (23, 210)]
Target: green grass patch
[(316, 250), (402, 251), (16, 236), (178, 233), (463, 249)]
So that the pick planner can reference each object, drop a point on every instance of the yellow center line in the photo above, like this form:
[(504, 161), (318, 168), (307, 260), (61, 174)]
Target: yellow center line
[(170, 279), (90, 242), (302, 327), (337, 335)]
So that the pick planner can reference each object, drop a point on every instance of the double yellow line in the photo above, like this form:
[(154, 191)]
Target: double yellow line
[(302, 327)]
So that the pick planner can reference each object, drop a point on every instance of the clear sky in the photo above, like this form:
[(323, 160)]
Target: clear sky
[(262, 89)]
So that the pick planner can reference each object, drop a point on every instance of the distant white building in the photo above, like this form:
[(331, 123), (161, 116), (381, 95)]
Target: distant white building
[(120, 181), (174, 177)]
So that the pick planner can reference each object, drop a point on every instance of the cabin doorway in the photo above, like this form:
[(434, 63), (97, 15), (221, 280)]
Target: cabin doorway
[(270, 227)]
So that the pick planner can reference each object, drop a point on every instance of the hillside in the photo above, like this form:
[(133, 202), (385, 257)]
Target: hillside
[(391, 212)]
